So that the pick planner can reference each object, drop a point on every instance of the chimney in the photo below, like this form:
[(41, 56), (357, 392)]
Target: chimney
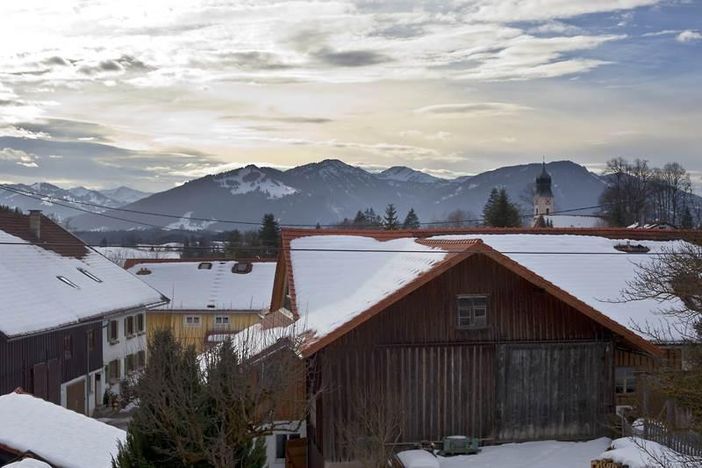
[(35, 223)]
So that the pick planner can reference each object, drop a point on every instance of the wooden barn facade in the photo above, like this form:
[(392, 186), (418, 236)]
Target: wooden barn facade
[(477, 345)]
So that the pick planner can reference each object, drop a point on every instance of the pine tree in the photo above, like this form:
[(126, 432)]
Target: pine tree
[(390, 222), (499, 211), (270, 235), (411, 220), (360, 220)]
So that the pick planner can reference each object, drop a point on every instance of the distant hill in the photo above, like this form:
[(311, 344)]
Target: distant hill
[(328, 191)]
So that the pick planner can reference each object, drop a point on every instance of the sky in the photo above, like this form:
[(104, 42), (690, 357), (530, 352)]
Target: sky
[(153, 93)]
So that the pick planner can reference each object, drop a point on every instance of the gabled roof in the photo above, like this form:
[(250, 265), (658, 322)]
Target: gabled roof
[(60, 436), (57, 281), (215, 289), (339, 279)]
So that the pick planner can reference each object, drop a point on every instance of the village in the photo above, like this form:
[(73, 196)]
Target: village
[(417, 348)]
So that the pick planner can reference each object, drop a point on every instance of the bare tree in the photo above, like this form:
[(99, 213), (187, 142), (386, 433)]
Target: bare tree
[(372, 430)]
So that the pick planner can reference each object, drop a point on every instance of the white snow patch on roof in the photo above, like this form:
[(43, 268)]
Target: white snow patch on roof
[(418, 459), (575, 221), (333, 287), (60, 436), (28, 463), (190, 288), (590, 269), (34, 299)]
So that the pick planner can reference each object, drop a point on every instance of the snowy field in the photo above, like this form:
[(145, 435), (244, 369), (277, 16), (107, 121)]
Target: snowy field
[(545, 454)]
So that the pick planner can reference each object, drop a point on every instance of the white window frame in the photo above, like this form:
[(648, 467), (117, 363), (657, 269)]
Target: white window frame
[(222, 321), (471, 316), (194, 322)]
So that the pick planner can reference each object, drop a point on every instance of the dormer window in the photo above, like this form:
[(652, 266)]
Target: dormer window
[(65, 280), (90, 275), (205, 266), (242, 267)]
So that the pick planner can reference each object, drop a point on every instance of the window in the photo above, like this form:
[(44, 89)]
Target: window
[(65, 280), (472, 312), (130, 363), (624, 380), (129, 326), (67, 347), (192, 320), (242, 267), (221, 321), (90, 275), (113, 371), (140, 323), (141, 359), (204, 266), (114, 331)]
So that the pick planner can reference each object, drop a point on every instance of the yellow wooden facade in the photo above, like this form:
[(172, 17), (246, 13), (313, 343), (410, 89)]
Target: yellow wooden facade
[(196, 334)]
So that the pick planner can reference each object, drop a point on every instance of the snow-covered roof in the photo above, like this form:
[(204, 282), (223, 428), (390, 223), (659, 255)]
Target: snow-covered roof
[(590, 269), (28, 463), (58, 435), (43, 288), (575, 221), (338, 277), (192, 288)]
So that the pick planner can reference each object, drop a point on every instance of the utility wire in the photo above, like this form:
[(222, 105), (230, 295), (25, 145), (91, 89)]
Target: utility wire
[(43, 197)]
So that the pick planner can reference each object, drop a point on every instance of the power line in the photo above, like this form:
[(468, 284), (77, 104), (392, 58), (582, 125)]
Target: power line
[(43, 197), (303, 249)]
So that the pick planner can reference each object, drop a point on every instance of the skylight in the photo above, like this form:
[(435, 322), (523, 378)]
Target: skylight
[(65, 280), (204, 266), (90, 275), (242, 267)]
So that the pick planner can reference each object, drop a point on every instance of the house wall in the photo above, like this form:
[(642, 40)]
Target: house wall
[(444, 380), (196, 336), (119, 350), (39, 364)]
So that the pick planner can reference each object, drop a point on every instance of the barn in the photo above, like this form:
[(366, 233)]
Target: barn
[(501, 335)]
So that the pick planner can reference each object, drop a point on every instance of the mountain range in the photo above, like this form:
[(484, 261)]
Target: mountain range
[(328, 191)]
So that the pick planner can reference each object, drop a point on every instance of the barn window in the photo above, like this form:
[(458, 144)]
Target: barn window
[(624, 380), (472, 311), (192, 320), (204, 266), (114, 331)]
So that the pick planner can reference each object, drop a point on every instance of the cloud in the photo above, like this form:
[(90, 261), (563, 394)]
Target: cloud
[(293, 119), (18, 157), (689, 36), (473, 108), (125, 63), (351, 58), (20, 132)]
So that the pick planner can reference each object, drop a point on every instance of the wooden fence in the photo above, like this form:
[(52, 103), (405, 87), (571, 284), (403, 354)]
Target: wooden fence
[(688, 443)]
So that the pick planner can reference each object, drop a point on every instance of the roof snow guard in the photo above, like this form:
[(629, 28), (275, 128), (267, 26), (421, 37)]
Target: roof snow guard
[(338, 279)]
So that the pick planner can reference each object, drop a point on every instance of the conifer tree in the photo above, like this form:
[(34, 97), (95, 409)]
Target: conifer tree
[(270, 235), (499, 211), (686, 221), (390, 222), (411, 220)]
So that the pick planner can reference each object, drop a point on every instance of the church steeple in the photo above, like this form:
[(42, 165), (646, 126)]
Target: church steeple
[(543, 196)]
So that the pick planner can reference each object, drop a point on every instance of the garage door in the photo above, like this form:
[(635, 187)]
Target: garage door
[(75, 396), (553, 391)]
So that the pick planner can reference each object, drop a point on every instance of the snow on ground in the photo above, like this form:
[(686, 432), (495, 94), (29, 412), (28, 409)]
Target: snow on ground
[(542, 454), (60, 436), (639, 453)]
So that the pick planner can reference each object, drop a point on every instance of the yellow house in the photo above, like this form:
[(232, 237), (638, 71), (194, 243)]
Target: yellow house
[(210, 299)]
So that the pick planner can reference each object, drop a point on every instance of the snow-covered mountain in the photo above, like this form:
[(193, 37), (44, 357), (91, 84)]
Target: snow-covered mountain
[(407, 174), (124, 195), (51, 199), (331, 190)]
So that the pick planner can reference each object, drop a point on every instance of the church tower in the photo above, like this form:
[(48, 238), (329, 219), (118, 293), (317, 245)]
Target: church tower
[(543, 198)]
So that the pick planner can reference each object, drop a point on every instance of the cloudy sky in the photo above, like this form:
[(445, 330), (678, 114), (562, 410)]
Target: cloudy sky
[(153, 93)]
